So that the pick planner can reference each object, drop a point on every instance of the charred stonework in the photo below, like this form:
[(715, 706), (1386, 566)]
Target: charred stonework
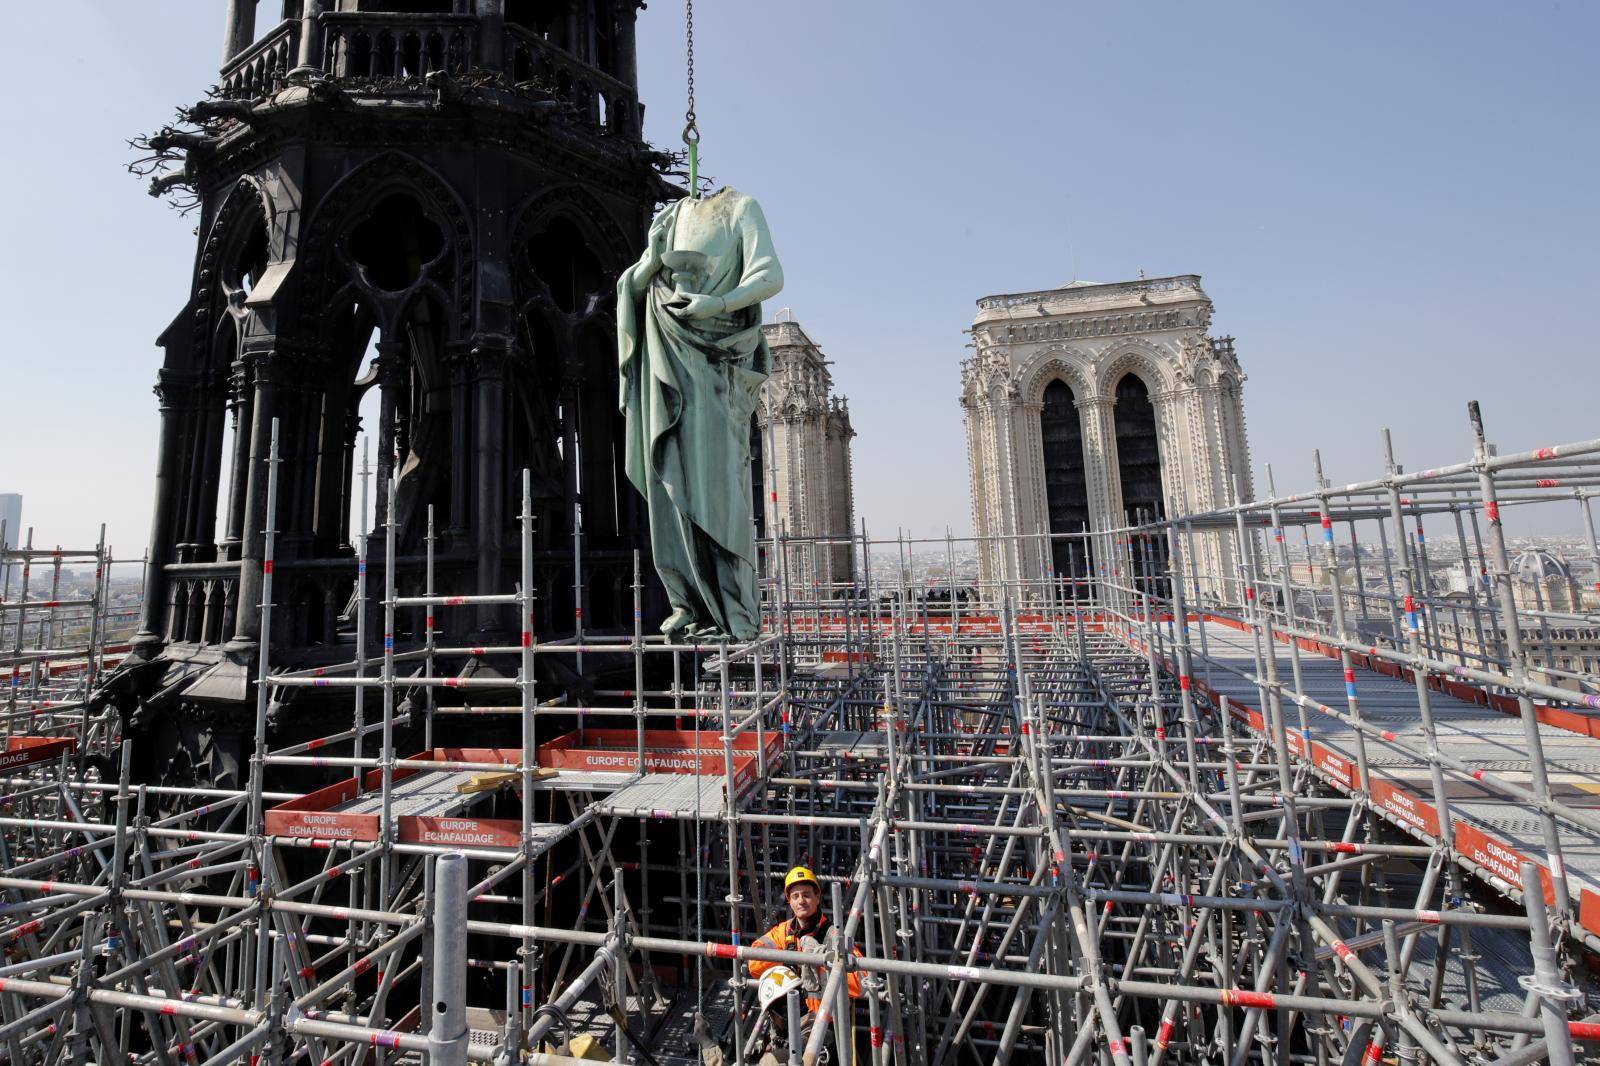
[(427, 202)]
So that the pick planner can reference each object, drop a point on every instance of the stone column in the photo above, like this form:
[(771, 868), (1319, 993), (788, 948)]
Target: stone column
[(389, 361), (995, 489), (1236, 447), (805, 492), (573, 43), (491, 33), (1235, 440), (627, 44), (977, 483), (239, 30), (456, 362), (841, 516), (1004, 444), (1097, 416), (147, 641), (1033, 509), (240, 403), (348, 490), (788, 495), (489, 358), (1209, 467), (847, 482), (310, 61), (247, 628), (1173, 483)]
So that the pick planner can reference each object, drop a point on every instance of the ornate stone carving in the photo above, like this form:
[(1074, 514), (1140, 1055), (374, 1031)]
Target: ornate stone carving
[(209, 297), (390, 172), (309, 167), (1152, 363), (988, 378), (1091, 336)]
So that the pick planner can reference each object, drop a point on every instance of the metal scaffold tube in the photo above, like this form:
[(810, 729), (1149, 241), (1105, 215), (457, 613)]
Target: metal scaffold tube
[(1134, 812)]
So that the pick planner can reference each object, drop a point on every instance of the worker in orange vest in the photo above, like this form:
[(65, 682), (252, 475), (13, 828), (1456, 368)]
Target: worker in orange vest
[(806, 931)]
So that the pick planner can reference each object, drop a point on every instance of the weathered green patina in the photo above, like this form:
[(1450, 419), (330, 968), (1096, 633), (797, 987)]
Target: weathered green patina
[(692, 360)]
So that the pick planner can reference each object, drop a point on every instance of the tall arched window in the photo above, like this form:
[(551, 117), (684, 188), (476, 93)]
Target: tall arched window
[(1139, 473), (1065, 488)]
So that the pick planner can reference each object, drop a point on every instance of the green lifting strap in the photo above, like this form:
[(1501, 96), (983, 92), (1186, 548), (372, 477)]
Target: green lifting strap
[(694, 160)]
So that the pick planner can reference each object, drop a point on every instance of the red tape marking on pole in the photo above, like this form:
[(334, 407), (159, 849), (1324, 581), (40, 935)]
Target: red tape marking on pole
[(1238, 997)]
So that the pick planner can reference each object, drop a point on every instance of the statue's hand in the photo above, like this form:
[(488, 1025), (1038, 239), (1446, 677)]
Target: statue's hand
[(696, 306)]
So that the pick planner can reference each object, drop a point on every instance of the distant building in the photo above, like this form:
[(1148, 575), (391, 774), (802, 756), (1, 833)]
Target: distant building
[(805, 479), (1558, 638), (1093, 407), (1461, 577), (10, 531), (1544, 582), (1553, 647)]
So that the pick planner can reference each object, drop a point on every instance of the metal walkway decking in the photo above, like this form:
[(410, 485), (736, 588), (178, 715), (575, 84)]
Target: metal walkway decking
[(1499, 830)]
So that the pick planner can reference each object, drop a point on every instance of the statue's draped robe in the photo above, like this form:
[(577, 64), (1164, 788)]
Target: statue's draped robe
[(688, 390)]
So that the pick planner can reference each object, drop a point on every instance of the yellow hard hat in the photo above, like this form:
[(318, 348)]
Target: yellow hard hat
[(798, 876)]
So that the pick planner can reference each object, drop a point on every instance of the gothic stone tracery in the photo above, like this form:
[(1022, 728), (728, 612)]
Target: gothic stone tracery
[(410, 227), (1156, 417)]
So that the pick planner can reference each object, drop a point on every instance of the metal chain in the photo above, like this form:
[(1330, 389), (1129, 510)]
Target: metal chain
[(691, 132)]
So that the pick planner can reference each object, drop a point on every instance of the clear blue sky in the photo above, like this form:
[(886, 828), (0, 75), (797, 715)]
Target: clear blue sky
[(1392, 206)]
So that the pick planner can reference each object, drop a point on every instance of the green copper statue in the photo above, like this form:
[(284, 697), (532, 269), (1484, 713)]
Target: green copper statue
[(692, 359)]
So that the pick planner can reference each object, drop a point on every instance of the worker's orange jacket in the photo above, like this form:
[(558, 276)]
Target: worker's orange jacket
[(784, 937)]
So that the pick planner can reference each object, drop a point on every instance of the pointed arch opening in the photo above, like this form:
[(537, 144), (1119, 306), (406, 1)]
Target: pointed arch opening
[(562, 258), (1139, 474), (1066, 486), (219, 484)]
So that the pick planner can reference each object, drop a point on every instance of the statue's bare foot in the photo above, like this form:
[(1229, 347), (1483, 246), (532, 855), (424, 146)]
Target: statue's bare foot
[(677, 622)]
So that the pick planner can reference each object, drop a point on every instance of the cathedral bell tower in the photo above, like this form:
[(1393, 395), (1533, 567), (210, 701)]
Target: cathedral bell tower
[(411, 216), (1091, 408)]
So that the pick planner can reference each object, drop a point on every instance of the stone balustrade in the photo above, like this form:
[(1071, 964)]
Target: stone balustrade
[(357, 45)]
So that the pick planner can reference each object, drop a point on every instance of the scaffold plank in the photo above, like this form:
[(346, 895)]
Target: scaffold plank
[(695, 796)]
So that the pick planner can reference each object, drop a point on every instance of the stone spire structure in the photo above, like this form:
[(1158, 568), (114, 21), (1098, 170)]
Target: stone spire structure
[(1092, 407), (428, 203), (803, 472)]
